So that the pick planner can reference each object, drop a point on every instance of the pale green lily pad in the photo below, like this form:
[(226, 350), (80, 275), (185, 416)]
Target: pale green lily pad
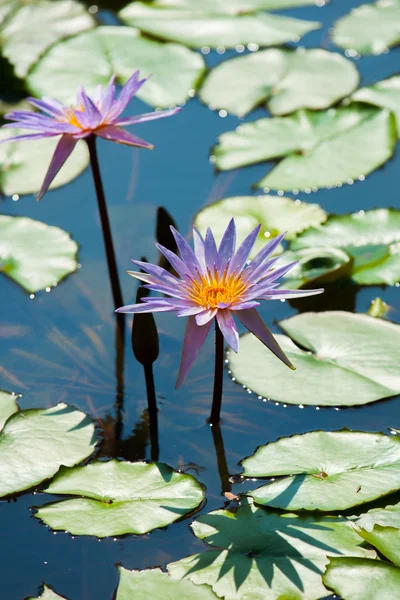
[(48, 594), (120, 497), (23, 164), (33, 254), (385, 517), (370, 238), (289, 80), (385, 94), (263, 555), (30, 28), (337, 347), (8, 406), (216, 24), (319, 149), (175, 69), (153, 583), (233, 7), (326, 470), (362, 579), (276, 214), (369, 28), (34, 444), (386, 540)]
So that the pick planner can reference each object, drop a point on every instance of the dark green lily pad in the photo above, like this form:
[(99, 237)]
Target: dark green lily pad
[(48, 594), (262, 554), (289, 80), (175, 69), (276, 214), (34, 254), (326, 470), (369, 28), (385, 94), (215, 24), (8, 406), (316, 267), (153, 583), (30, 28), (34, 444), (120, 497), (336, 347), (385, 517), (319, 149)]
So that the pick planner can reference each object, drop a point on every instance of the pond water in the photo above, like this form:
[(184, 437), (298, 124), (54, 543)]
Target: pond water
[(60, 346)]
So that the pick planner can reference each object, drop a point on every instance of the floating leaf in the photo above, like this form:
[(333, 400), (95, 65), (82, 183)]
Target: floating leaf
[(233, 7), (289, 80), (386, 540), (23, 165), (217, 23), (153, 583), (320, 148), (8, 406), (386, 517), (48, 594), (34, 444), (31, 28), (371, 239), (369, 28), (120, 497), (385, 94), (316, 267), (107, 50), (263, 554), (356, 354), (34, 254), (275, 213), (329, 470), (362, 579)]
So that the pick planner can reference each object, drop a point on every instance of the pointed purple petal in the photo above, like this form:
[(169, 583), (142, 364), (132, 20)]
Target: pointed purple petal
[(131, 87), (228, 328), (157, 114), (189, 311), (239, 260), (198, 243), (108, 97), (187, 254), (227, 246), (115, 134), (210, 251), (195, 337), (175, 262), (152, 305), (63, 149), (91, 113), (266, 251), (261, 272), (49, 108), (244, 305), (205, 316), (157, 271), (29, 136), (288, 294)]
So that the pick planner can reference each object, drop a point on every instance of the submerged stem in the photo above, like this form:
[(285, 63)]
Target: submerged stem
[(218, 376), (218, 440), (152, 411), (105, 223)]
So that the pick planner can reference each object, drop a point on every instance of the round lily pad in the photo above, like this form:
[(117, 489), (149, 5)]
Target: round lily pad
[(342, 359), (385, 93), (120, 497), (175, 69), (289, 80), (214, 24), (48, 594), (153, 583), (318, 149), (276, 214), (23, 164), (326, 470), (385, 517), (8, 406), (369, 28), (32, 27), (34, 443), (262, 554), (33, 254)]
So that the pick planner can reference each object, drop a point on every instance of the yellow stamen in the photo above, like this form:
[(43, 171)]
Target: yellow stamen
[(71, 116), (214, 289)]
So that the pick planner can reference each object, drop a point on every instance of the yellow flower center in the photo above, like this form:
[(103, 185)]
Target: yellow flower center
[(71, 116), (212, 290)]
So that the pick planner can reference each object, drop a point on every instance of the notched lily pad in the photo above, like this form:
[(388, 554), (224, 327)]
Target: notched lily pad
[(326, 470), (120, 497), (385, 517), (48, 594), (336, 347), (153, 583), (33, 254), (385, 94), (8, 406), (386, 540)]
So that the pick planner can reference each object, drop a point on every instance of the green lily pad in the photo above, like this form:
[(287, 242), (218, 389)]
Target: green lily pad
[(385, 94), (289, 80), (371, 239), (319, 149), (23, 164), (30, 28), (263, 555), (120, 497), (175, 69), (316, 267), (385, 517), (8, 406), (34, 444), (326, 470), (34, 254), (153, 583), (362, 579), (233, 7), (48, 594), (386, 540), (357, 354), (369, 28), (275, 213), (215, 24)]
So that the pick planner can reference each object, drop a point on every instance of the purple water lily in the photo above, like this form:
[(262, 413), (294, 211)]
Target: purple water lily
[(216, 283), (95, 114)]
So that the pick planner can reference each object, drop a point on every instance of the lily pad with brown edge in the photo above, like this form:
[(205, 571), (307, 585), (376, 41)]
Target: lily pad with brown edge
[(356, 354), (153, 583), (119, 497)]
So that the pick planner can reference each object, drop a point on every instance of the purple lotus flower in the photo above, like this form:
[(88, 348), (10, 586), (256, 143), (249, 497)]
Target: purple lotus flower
[(95, 114), (216, 283)]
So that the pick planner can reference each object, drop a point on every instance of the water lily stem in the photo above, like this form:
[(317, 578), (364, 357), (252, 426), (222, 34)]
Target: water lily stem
[(105, 223), (218, 440), (218, 376), (152, 411)]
